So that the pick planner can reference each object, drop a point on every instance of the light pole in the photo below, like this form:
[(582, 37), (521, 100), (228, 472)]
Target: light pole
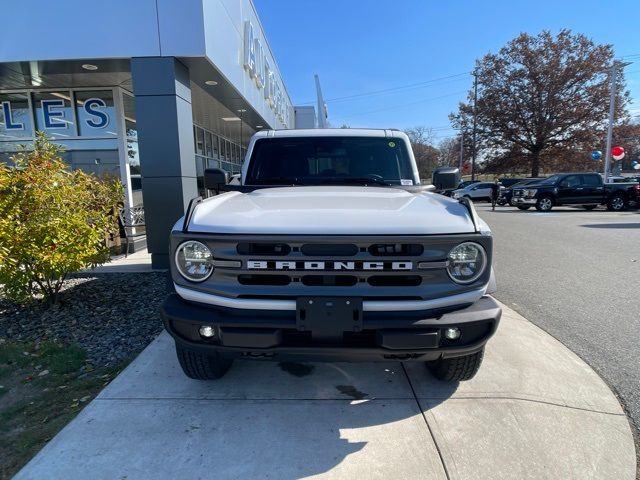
[(461, 161), (613, 74), (473, 133)]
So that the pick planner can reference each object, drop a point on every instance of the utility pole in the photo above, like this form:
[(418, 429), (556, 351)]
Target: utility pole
[(613, 74), (461, 161), (473, 134)]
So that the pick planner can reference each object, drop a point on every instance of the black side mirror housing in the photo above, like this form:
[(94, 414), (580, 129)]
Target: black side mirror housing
[(215, 178), (446, 178)]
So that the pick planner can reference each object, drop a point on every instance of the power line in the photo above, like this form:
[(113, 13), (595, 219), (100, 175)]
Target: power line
[(392, 89), (402, 105)]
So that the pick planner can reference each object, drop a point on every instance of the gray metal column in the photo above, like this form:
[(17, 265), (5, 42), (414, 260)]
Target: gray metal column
[(165, 139)]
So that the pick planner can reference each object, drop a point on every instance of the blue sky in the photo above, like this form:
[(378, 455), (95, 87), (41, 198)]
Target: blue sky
[(362, 46)]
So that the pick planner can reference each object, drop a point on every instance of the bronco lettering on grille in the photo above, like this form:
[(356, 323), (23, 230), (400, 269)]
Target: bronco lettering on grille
[(325, 265)]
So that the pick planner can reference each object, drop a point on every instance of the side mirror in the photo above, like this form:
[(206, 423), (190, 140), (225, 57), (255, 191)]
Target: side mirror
[(215, 178), (446, 178)]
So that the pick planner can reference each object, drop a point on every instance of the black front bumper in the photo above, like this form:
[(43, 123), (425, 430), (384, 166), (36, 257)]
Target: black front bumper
[(382, 335)]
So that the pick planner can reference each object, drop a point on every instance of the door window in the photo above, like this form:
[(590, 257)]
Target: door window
[(591, 180), (571, 181)]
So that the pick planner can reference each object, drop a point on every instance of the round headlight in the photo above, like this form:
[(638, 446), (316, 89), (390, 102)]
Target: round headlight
[(466, 262), (194, 261)]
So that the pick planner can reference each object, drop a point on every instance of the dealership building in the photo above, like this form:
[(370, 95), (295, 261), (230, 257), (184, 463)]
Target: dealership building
[(153, 91)]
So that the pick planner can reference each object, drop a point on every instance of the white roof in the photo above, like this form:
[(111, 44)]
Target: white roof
[(331, 132)]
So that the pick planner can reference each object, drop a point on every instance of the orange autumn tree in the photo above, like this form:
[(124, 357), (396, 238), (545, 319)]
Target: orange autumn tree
[(53, 222)]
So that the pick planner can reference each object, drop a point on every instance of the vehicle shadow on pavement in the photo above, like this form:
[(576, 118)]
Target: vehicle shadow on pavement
[(346, 438), (263, 419), (612, 225)]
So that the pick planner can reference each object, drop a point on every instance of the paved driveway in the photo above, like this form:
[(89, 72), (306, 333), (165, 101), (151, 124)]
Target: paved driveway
[(535, 410)]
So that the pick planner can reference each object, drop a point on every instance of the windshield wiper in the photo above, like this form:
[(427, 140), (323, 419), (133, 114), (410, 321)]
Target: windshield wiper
[(358, 180), (275, 181)]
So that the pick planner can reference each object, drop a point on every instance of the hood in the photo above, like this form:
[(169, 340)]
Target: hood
[(530, 185), (331, 210)]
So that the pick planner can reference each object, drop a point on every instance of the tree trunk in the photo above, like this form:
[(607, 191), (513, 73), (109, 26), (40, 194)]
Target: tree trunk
[(535, 163)]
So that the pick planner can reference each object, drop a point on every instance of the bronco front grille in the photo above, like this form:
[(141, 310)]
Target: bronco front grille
[(368, 267)]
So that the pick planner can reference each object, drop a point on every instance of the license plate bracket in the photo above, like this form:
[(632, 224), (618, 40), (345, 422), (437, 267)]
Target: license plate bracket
[(327, 318)]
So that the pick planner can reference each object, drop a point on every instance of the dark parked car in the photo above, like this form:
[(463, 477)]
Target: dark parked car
[(506, 193), (586, 189)]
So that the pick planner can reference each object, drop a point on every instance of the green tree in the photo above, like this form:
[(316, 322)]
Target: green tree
[(540, 94), (52, 221)]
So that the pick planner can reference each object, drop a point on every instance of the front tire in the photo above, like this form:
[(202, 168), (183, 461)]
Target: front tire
[(544, 204), (456, 369), (200, 366), (616, 203)]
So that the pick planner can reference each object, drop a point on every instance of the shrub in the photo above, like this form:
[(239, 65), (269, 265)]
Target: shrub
[(52, 221)]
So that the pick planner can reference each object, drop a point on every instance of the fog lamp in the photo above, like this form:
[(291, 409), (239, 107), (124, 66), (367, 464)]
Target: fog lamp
[(452, 333), (207, 332)]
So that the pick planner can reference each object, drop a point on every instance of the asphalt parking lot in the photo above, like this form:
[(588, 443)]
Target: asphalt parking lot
[(576, 274)]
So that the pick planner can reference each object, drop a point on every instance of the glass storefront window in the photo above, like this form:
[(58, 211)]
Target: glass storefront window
[(133, 155), (54, 114), (15, 117), (96, 113), (200, 166), (234, 150), (129, 116), (223, 153), (216, 148), (213, 151), (199, 138), (207, 144)]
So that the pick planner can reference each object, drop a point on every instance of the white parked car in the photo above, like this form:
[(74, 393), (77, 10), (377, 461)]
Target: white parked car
[(475, 191)]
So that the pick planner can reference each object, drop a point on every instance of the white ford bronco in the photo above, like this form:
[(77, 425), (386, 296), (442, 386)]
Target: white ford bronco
[(331, 249)]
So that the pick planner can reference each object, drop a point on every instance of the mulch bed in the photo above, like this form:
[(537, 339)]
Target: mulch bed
[(111, 316)]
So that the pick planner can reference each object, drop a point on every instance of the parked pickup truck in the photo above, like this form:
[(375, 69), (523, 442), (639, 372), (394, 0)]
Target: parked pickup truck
[(506, 194), (330, 249), (585, 189)]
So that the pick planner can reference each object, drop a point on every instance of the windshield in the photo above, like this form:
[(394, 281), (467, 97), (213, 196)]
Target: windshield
[(551, 180), (330, 160), (529, 181)]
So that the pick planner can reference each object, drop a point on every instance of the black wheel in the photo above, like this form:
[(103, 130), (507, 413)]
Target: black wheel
[(456, 369), (502, 203), (201, 366), (544, 204), (524, 207), (616, 203)]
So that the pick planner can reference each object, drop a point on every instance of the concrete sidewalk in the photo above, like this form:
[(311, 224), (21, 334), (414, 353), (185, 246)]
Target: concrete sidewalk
[(138, 262), (535, 410)]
